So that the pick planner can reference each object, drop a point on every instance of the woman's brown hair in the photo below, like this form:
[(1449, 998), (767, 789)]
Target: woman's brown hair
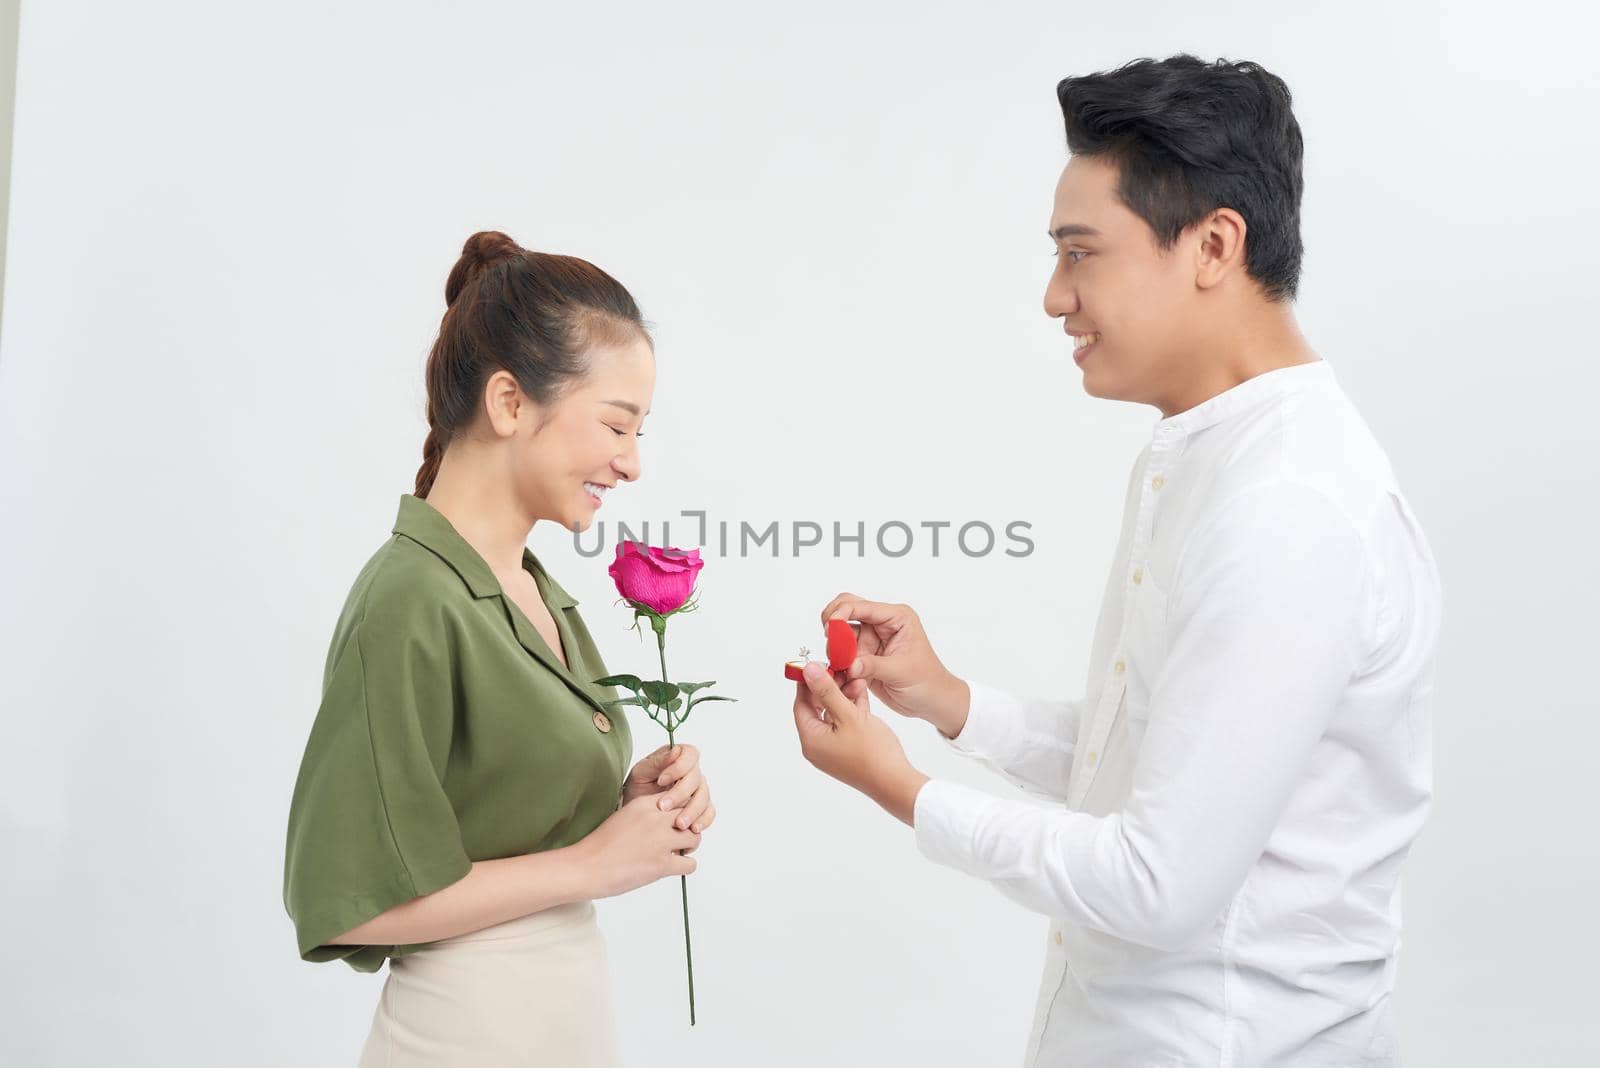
[(533, 314)]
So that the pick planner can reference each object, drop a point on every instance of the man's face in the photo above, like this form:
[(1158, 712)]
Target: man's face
[(1114, 285)]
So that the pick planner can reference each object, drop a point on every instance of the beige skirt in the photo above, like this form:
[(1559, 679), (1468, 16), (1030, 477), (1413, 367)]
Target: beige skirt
[(532, 991)]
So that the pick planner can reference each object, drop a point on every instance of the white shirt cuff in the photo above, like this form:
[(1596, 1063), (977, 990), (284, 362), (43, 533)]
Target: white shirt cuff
[(941, 819), (990, 712)]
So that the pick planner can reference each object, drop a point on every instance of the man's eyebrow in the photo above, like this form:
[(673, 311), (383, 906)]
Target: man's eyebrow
[(629, 405), (1061, 233)]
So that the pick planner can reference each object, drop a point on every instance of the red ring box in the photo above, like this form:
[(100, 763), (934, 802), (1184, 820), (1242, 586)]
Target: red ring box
[(841, 652), (841, 645)]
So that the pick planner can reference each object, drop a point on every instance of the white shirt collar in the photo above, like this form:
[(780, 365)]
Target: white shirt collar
[(1246, 395)]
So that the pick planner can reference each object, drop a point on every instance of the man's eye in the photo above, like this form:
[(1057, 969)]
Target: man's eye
[(1076, 254), (619, 433)]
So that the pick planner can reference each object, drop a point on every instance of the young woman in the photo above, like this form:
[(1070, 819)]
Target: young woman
[(464, 794)]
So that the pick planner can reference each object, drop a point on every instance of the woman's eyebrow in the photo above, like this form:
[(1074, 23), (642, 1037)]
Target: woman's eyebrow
[(629, 405)]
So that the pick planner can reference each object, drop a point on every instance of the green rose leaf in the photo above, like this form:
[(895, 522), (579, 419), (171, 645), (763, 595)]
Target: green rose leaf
[(691, 687), (660, 693), (630, 681), (635, 700)]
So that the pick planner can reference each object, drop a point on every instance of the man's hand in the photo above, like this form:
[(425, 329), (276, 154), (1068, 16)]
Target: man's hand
[(842, 738), (898, 663), (673, 773)]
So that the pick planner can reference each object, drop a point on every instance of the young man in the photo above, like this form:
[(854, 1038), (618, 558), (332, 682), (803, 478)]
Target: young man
[(1223, 816)]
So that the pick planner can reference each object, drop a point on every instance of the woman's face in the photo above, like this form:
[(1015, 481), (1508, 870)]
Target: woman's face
[(591, 437)]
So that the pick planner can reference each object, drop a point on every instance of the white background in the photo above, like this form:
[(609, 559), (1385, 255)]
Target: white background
[(230, 229)]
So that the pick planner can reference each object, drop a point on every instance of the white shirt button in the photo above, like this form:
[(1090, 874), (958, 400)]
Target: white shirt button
[(1094, 758), (1058, 938), (1119, 667), (1138, 576), (1157, 482)]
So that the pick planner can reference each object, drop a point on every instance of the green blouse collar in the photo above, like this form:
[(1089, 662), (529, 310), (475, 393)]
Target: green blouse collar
[(426, 525)]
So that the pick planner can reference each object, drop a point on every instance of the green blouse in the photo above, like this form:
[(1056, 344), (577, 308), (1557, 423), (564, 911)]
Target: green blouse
[(449, 732)]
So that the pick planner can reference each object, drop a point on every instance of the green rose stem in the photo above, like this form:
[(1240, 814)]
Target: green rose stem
[(668, 698), (683, 880)]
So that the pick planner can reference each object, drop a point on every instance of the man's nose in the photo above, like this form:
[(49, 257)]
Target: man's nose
[(1060, 299)]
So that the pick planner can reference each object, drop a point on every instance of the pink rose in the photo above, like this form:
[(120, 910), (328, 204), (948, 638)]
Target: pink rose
[(659, 578)]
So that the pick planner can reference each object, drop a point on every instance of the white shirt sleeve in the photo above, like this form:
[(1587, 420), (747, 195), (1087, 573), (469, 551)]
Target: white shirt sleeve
[(1027, 740), (1268, 621)]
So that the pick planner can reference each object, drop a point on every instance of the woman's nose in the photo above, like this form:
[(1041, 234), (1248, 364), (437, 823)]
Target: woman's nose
[(627, 465)]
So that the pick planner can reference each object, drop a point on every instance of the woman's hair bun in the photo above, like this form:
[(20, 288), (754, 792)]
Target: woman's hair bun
[(483, 249), (489, 246)]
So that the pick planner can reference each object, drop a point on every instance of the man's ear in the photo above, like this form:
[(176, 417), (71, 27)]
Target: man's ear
[(1219, 251)]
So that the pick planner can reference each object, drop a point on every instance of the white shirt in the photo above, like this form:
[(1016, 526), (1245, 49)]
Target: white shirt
[(1222, 819)]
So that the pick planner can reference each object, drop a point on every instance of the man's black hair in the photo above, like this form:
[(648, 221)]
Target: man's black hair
[(1189, 137)]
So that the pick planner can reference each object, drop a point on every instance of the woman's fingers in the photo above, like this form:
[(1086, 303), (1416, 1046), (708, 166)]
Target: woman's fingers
[(688, 758), (648, 768), (682, 790), (694, 809), (685, 841), (690, 794)]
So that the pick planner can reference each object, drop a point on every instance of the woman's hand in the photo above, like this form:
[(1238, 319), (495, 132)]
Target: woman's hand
[(672, 775), (637, 844)]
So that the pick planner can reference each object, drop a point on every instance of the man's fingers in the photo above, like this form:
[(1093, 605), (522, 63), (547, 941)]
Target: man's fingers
[(826, 692), (849, 606), (867, 640), (833, 606), (866, 667), (806, 721)]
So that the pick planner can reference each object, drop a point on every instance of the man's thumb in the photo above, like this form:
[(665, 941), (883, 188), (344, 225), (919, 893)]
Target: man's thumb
[(866, 666)]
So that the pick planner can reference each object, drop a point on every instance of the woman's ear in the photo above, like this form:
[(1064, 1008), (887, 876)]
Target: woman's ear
[(1220, 250), (504, 404)]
